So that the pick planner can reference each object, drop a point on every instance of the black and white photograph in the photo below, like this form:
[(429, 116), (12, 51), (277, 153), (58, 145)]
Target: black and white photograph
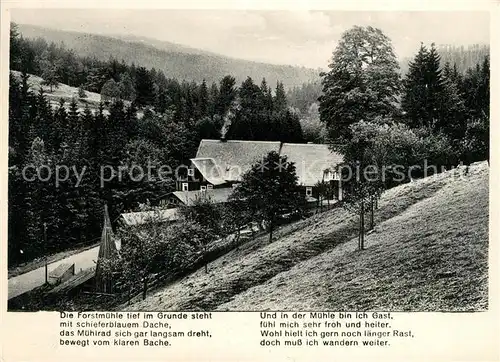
[(248, 160)]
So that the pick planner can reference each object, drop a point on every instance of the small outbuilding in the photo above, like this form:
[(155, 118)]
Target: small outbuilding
[(153, 216), (62, 273)]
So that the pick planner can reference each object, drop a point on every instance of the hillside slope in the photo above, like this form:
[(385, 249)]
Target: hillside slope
[(429, 252), (432, 257), (63, 91), (67, 93), (174, 60)]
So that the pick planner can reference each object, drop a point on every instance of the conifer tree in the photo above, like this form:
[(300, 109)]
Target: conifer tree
[(60, 126), (266, 98), (269, 100), (434, 83), (34, 198), (484, 89), (452, 119), (423, 89), (161, 100), (213, 97), (73, 116), (227, 94), (279, 101), (415, 89), (43, 122), (81, 92), (127, 88), (202, 106), (144, 87)]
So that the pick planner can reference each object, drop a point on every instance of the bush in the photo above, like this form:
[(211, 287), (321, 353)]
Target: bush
[(82, 93)]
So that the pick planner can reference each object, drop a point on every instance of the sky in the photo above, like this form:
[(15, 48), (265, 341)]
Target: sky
[(304, 38)]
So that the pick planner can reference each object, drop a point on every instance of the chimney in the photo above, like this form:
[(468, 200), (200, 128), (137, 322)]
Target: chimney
[(228, 119)]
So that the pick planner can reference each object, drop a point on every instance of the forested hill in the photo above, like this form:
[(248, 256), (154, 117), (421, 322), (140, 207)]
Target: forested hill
[(464, 57), (175, 60)]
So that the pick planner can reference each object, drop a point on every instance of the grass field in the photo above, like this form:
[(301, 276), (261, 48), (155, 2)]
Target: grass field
[(428, 252), (63, 91), (67, 93)]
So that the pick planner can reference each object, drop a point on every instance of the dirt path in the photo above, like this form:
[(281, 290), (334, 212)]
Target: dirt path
[(25, 282), (40, 262)]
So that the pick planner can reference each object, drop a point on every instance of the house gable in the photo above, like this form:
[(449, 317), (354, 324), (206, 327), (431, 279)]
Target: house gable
[(209, 170), (311, 161)]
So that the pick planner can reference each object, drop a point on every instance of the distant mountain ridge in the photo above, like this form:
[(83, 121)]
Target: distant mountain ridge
[(175, 60), (166, 45)]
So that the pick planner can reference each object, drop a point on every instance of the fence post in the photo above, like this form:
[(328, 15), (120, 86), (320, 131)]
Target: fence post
[(45, 252), (362, 226), (145, 287)]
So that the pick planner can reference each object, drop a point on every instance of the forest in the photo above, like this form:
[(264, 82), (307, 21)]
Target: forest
[(177, 115), (174, 60), (444, 103)]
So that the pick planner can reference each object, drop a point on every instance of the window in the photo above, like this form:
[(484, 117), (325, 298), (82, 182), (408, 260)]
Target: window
[(309, 191), (210, 187), (203, 188), (185, 186), (190, 171)]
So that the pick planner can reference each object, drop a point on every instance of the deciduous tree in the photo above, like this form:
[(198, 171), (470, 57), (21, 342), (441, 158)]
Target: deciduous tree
[(110, 91), (363, 82), (270, 189)]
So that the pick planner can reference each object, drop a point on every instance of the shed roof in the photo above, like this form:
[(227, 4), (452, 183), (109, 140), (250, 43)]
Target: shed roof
[(74, 281), (311, 160), (216, 195), (143, 217)]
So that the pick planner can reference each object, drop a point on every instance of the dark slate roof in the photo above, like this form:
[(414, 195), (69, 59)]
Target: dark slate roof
[(216, 195), (311, 160), (61, 269), (212, 172), (74, 281), (235, 157)]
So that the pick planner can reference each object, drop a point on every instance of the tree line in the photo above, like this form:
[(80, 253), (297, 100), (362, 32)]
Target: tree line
[(176, 116), (435, 113), (258, 114)]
